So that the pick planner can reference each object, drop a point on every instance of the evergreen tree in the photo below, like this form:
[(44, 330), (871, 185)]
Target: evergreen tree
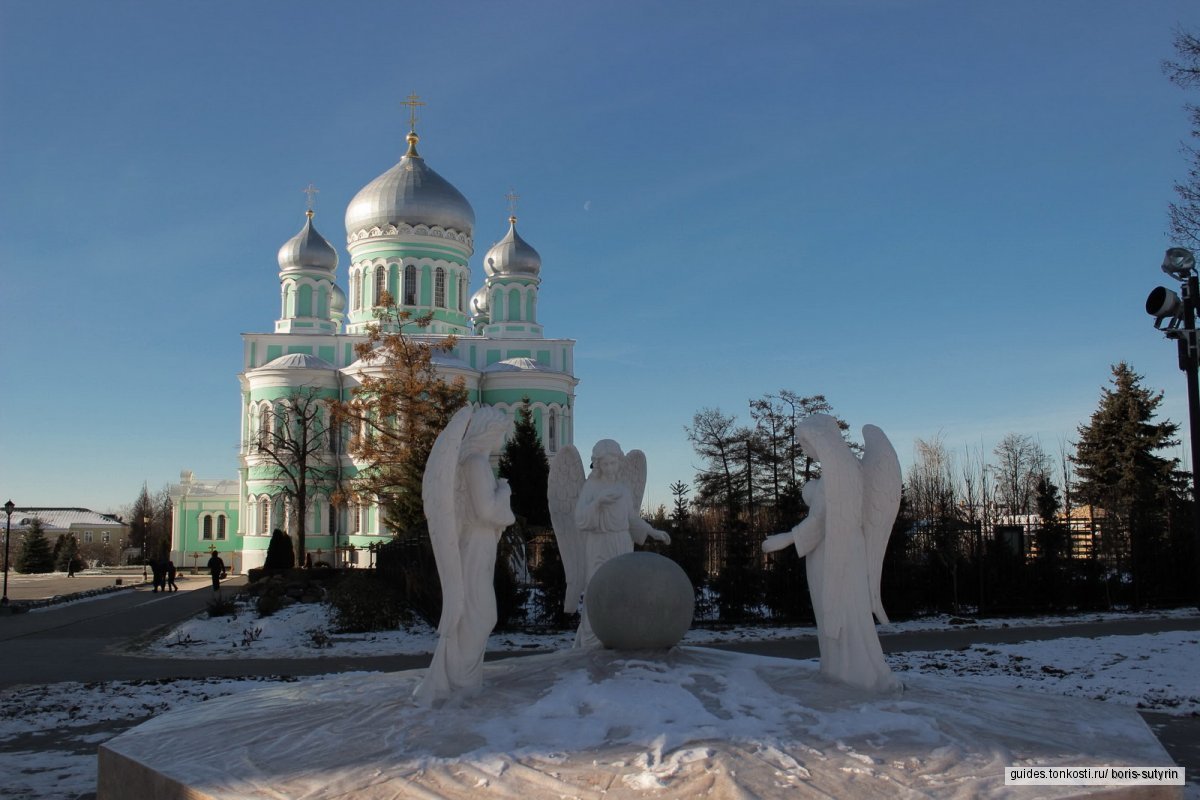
[(1118, 471), (36, 553), (523, 463), (66, 550), (281, 554), (141, 523)]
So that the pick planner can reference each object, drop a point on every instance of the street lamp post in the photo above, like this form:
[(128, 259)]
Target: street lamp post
[(9, 507), (1176, 318), (145, 539)]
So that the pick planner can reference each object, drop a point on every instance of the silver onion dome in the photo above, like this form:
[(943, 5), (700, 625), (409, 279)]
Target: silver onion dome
[(512, 255), (479, 304), (410, 192), (337, 303), (307, 250)]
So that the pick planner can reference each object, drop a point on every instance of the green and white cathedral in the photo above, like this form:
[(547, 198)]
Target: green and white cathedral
[(410, 233)]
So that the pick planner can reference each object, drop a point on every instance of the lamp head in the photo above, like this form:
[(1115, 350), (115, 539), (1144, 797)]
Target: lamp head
[(1179, 263), (1166, 308), (9, 507)]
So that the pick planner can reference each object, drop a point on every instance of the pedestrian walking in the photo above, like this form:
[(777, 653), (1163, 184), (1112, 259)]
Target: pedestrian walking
[(156, 572), (216, 568), (171, 576)]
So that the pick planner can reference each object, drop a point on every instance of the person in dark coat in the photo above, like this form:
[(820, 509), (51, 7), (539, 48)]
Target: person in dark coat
[(156, 572), (171, 576), (216, 568)]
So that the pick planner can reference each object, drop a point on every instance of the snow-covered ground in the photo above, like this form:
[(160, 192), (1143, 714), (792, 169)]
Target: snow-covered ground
[(49, 734)]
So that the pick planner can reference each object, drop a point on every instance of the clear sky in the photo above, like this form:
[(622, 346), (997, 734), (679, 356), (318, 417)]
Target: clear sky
[(944, 216)]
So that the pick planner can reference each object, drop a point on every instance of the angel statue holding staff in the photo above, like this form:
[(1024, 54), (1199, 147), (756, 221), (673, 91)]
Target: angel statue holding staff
[(852, 507), (596, 519), (467, 508)]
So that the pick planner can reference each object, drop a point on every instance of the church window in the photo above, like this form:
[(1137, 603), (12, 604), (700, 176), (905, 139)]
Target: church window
[(221, 526), (439, 288), (356, 291), (264, 516), (87, 537), (380, 283), (264, 426), (410, 285), (206, 527), (552, 430), (514, 304), (355, 518), (333, 526), (462, 292)]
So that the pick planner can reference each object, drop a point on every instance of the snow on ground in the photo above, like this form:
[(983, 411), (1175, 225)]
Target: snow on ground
[(49, 734), (307, 630)]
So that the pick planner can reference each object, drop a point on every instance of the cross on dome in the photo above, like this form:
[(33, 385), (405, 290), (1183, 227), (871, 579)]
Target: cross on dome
[(512, 197), (412, 102), (310, 191)]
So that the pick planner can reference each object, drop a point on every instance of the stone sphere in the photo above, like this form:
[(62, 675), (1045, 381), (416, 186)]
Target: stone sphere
[(639, 601)]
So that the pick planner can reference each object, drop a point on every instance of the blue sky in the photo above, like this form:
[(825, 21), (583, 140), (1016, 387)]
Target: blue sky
[(944, 216)]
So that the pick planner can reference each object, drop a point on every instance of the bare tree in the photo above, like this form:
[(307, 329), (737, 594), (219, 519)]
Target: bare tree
[(1021, 461), (1184, 71), (716, 440), (293, 443)]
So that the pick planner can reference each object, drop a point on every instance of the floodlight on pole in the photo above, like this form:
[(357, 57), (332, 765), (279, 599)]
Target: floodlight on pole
[(1175, 316)]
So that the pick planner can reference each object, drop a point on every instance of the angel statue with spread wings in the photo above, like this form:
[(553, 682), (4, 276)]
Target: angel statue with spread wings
[(851, 508), (467, 508), (596, 519)]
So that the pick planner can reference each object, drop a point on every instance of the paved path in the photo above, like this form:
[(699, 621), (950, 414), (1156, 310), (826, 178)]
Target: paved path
[(96, 640)]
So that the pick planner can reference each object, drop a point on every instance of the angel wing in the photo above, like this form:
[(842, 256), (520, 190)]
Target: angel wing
[(882, 483), (563, 485), (439, 489), (633, 475)]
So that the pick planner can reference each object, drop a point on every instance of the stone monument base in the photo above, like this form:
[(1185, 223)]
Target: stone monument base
[(589, 724)]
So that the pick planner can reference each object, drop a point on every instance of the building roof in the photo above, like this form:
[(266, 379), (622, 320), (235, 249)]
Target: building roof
[(63, 518)]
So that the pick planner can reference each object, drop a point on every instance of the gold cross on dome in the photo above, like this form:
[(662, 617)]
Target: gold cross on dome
[(412, 102), (512, 197), (310, 191)]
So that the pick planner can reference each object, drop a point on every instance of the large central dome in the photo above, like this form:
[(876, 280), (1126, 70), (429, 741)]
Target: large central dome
[(410, 192)]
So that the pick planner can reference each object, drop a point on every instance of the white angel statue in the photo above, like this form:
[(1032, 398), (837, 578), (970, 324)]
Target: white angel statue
[(467, 508), (596, 519), (852, 507)]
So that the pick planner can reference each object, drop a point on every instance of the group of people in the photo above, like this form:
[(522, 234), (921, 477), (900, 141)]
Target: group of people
[(163, 572)]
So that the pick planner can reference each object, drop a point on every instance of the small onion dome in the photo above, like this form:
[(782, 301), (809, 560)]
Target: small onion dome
[(512, 255), (297, 361), (337, 302), (479, 303), (307, 250), (410, 192), (517, 365)]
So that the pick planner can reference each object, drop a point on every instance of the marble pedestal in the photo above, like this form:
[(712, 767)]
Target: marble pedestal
[(589, 724)]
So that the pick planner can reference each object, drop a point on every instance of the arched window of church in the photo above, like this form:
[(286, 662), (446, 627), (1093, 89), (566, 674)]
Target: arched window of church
[(380, 283), (264, 426), (356, 290), (333, 526), (206, 527), (552, 430), (264, 516), (355, 518), (439, 288), (410, 285), (221, 526), (462, 292), (514, 304)]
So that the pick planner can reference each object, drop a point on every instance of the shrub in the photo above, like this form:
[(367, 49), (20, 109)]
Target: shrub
[(222, 607), (268, 603), (363, 603), (280, 552)]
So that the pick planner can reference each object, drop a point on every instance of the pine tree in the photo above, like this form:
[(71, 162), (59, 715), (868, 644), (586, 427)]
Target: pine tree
[(36, 553), (1118, 471), (523, 463), (66, 551)]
